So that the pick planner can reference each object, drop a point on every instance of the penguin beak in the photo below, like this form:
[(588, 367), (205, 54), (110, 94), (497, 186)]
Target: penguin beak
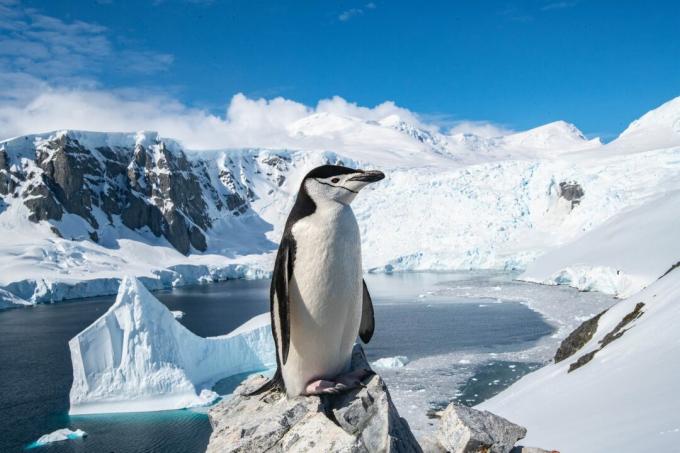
[(368, 176)]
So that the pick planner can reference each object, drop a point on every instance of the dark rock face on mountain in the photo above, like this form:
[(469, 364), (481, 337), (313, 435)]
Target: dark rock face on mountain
[(571, 191), (578, 338), (152, 188), (144, 185)]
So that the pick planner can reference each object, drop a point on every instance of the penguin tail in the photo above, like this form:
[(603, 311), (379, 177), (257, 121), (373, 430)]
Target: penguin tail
[(275, 383)]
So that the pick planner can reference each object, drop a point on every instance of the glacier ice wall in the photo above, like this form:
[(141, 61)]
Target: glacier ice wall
[(137, 357)]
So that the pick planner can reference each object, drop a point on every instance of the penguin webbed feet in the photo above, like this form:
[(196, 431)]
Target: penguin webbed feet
[(340, 384)]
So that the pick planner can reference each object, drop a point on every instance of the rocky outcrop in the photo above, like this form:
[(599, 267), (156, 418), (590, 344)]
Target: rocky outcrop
[(363, 420), (578, 338), (466, 430), (145, 185), (613, 335), (572, 192)]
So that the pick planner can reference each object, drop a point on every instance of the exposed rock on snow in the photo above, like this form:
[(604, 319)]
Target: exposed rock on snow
[(364, 420), (466, 430), (578, 338), (137, 357), (572, 192), (615, 334), (58, 436)]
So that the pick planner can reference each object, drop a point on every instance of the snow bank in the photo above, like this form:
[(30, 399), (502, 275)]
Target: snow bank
[(623, 400), (622, 256), (137, 357), (58, 436)]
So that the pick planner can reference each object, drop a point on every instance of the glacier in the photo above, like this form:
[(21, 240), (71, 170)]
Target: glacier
[(137, 357)]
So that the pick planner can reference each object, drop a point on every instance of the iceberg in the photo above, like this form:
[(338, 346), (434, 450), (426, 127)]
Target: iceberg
[(398, 361), (58, 436), (138, 358)]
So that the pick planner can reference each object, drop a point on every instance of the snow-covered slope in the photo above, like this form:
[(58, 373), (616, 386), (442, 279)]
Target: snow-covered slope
[(80, 209), (624, 398), (621, 256), (137, 357)]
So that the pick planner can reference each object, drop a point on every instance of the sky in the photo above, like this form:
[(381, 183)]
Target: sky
[(189, 65)]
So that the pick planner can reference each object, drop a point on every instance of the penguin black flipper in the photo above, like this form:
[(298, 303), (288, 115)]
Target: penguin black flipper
[(279, 298), (367, 325), (280, 312)]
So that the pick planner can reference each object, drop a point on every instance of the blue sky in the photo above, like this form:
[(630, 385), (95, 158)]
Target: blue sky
[(519, 64)]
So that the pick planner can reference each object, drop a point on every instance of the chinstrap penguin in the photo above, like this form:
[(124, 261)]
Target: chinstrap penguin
[(319, 300)]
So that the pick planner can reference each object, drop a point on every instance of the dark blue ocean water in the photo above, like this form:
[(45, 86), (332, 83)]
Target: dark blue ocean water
[(36, 375)]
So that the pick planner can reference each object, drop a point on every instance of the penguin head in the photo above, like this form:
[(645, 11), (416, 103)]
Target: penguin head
[(338, 184)]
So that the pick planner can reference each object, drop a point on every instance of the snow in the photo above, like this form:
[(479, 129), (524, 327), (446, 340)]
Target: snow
[(621, 256), (137, 357), (58, 436), (624, 399)]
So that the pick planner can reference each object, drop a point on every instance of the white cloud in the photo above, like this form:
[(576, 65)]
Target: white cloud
[(246, 123), (558, 5), (481, 128), (352, 12), (53, 49)]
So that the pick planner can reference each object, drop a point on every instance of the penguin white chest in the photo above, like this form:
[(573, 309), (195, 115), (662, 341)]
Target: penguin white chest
[(325, 297)]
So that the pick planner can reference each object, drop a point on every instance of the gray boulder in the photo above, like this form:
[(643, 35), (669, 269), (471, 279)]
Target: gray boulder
[(363, 420), (467, 430), (531, 450)]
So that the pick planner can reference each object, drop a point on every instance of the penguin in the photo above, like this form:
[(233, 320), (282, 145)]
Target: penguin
[(319, 300)]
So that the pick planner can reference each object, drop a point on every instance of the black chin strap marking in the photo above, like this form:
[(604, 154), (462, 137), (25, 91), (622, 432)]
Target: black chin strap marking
[(331, 185)]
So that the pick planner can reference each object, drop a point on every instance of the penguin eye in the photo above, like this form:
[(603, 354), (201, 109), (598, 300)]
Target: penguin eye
[(335, 180)]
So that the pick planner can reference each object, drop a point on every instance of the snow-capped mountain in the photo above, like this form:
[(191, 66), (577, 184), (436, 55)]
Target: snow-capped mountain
[(79, 209)]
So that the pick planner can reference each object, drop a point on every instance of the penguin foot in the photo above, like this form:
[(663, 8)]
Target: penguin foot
[(353, 379), (324, 387), (341, 384)]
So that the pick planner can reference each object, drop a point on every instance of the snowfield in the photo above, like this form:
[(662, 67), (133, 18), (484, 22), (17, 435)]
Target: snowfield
[(137, 357)]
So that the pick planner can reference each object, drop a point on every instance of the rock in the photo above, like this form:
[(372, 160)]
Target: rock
[(571, 191), (521, 449), (364, 420), (578, 338), (613, 335), (466, 430)]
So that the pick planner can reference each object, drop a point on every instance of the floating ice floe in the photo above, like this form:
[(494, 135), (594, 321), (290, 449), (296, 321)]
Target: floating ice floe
[(137, 357), (391, 362), (58, 436), (178, 314)]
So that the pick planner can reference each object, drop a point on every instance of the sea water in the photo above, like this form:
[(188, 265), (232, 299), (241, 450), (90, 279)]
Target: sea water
[(436, 332)]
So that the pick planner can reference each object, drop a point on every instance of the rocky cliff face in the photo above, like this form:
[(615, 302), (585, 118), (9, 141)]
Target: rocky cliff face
[(140, 182)]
